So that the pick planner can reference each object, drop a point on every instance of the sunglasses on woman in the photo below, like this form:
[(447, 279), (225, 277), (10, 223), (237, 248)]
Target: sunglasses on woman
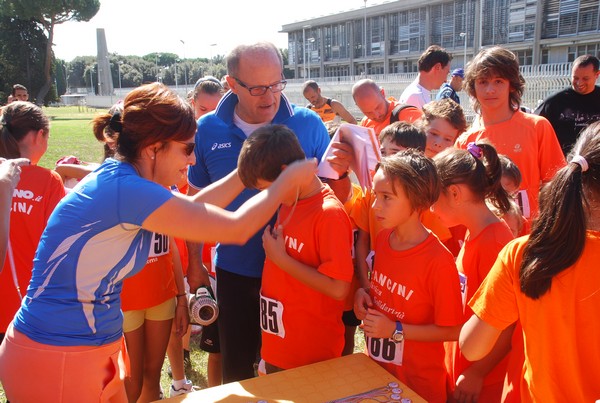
[(189, 147)]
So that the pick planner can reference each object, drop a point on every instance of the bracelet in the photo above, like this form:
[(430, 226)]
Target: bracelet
[(343, 176), (181, 295)]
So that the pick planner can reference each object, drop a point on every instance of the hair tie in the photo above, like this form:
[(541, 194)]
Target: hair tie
[(475, 150), (579, 160), (115, 122)]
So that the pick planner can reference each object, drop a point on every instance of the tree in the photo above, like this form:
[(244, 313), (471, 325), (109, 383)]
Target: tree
[(48, 13), (22, 45)]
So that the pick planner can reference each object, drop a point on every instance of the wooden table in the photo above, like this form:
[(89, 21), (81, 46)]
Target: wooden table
[(320, 382)]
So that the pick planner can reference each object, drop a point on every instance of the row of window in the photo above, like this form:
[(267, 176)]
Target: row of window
[(502, 22)]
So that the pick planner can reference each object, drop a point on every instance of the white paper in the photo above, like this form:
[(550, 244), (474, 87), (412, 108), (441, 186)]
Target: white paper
[(366, 153)]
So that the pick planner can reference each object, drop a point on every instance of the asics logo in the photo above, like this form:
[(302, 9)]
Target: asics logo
[(216, 146)]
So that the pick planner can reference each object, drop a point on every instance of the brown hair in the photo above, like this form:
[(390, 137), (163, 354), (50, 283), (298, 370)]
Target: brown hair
[(101, 129), (151, 113), (265, 152), (433, 55), (448, 110), (417, 176), (559, 233), (17, 120), (495, 61), (510, 170), (405, 135), (481, 174)]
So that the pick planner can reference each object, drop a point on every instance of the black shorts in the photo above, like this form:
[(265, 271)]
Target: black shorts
[(209, 340), (350, 319)]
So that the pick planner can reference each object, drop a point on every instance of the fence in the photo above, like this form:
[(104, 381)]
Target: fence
[(540, 82)]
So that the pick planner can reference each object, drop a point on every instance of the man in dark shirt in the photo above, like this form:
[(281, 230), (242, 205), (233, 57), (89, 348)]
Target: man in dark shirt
[(572, 109)]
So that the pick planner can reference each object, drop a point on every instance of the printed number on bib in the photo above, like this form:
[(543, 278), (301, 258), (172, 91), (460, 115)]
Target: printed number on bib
[(271, 316), (160, 245), (385, 350)]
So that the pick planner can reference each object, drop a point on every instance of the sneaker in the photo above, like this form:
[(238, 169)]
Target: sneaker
[(187, 388)]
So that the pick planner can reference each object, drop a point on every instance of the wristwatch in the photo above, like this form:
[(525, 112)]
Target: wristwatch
[(398, 335)]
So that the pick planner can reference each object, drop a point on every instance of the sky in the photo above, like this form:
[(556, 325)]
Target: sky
[(140, 27)]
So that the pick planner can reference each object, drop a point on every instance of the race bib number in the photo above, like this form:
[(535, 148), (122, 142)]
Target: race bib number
[(371, 260), (385, 350), (523, 202), (160, 245), (463, 289), (271, 316)]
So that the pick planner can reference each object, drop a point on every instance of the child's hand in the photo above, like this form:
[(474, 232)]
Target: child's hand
[(343, 155), (377, 325), (468, 386), (274, 244), (362, 301)]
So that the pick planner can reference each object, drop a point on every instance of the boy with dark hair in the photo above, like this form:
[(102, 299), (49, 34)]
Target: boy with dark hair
[(399, 136), (308, 266)]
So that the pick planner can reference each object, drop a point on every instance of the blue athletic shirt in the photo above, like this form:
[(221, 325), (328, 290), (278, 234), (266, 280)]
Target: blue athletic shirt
[(218, 145), (93, 240)]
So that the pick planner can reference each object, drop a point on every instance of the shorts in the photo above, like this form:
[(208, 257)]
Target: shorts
[(209, 340), (133, 320), (61, 373), (350, 319)]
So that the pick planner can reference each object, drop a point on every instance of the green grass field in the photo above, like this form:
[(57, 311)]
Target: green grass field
[(71, 134)]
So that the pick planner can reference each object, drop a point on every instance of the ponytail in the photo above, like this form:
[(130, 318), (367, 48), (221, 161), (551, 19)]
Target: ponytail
[(494, 191), (558, 235), (478, 168)]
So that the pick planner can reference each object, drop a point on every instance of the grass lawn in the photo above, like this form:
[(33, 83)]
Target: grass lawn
[(71, 134)]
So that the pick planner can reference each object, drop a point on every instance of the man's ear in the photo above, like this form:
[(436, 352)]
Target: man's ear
[(232, 83)]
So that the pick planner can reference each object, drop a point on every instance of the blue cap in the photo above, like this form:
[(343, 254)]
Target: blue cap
[(458, 72)]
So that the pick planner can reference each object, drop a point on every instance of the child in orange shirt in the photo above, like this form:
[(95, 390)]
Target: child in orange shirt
[(549, 282), (413, 304), (308, 266), (495, 85), (468, 179), (394, 138)]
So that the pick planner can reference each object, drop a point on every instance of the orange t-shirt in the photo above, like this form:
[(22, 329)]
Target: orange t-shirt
[(475, 259), (530, 142), (560, 330), (39, 190), (300, 325), (155, 283), (417, 286), (406, 115), (364, 217)]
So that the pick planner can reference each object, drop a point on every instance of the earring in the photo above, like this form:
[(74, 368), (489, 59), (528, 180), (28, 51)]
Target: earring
[(152, 157)]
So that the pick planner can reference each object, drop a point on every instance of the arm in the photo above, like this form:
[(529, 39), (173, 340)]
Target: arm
[(67, 171), (477, 338), (197, 274), (182, 318), (274, 245), (199, 222), (10, 173), (340, 161), (362, 302), (362, 251), (219, 193), (342, 111), (470, 382), (376, 324)]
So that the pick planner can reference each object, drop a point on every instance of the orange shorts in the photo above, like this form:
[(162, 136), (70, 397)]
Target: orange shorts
[(36, 372)]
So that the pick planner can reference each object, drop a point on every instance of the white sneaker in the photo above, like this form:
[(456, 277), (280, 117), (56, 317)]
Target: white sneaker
[(186, 388)]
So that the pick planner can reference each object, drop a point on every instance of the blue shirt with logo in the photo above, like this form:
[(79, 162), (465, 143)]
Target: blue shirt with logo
[(93, 240), (218, 145)]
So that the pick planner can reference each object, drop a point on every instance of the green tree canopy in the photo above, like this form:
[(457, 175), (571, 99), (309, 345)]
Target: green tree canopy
[(48, 13)]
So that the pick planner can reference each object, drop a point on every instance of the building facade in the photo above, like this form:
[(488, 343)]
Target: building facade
[(397, 32)]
